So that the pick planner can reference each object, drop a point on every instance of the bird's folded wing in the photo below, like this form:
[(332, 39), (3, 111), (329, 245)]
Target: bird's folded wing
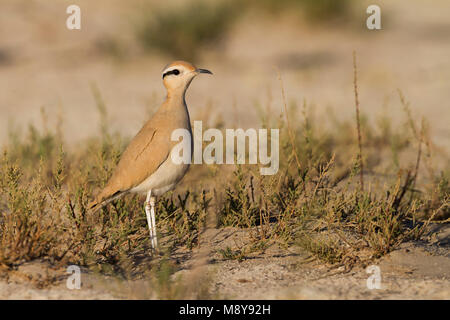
[(145, 153)]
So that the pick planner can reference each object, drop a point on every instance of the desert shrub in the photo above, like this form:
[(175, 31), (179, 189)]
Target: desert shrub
[(313, 10), (181, 32)]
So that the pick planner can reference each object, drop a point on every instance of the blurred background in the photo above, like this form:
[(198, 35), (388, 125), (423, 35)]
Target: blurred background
[(49, 72)]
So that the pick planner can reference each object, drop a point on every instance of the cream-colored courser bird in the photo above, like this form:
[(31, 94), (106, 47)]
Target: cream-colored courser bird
[(146, 165)]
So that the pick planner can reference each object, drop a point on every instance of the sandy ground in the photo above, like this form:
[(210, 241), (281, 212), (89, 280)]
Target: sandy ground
[(416, 270)]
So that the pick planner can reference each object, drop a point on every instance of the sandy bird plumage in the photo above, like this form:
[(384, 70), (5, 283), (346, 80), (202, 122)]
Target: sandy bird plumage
[(146, 166)]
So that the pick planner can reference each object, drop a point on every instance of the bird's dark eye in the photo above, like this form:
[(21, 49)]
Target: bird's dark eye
[(176, 72)]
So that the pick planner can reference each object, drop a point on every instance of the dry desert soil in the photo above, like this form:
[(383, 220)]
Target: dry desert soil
[(416, 270)]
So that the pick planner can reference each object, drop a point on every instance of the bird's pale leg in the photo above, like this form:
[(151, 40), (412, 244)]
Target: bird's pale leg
[(152, 212), (149, 218)]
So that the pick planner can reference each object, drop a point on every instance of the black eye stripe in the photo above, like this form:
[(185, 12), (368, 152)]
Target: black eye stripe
[(174, 71)]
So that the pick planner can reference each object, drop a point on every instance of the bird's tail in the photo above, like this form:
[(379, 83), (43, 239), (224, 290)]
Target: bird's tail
[(94, 206), (100, 201)]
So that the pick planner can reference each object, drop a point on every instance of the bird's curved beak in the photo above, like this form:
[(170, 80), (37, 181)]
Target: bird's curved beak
[(203, 71)]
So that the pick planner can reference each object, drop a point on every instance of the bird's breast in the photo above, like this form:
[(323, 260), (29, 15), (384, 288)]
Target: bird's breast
[(165, 178)]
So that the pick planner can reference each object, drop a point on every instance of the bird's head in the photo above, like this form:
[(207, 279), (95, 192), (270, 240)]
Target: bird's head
[(178, 75)]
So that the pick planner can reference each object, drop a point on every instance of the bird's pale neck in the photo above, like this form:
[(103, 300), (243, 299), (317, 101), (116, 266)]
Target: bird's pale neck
[(176, 91), (177, 95), (175, 98)]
